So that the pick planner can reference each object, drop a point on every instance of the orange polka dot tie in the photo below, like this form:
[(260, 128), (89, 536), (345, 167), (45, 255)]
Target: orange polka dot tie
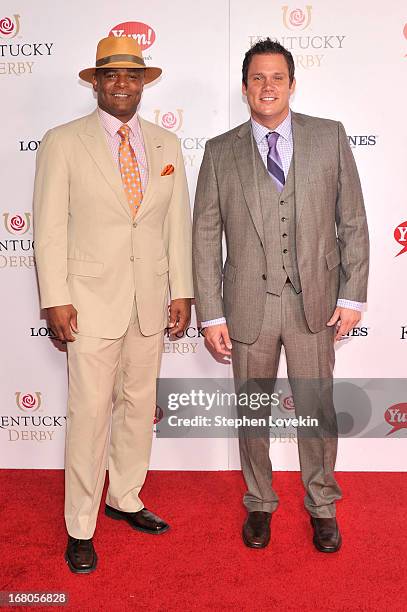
[(130, 171)]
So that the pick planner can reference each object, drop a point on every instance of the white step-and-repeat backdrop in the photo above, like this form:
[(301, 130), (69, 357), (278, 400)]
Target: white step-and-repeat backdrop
[(351, 60)]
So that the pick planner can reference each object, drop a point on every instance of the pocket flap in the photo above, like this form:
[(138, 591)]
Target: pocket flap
[(85, 268), (333, 258)]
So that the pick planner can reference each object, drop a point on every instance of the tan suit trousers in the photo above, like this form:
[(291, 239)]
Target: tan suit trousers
[(125, 370)]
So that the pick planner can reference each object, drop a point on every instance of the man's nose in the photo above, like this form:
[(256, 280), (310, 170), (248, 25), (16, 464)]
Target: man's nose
[(268, 83), (123, 80)]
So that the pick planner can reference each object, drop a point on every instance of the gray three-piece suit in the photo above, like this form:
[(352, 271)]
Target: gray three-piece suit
[(290, 256)]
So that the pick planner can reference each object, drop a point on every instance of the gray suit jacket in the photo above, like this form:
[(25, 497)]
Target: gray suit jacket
[(331, 230)]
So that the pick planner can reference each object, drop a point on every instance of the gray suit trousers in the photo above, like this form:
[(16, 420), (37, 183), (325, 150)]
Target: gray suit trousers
[(310, 361)]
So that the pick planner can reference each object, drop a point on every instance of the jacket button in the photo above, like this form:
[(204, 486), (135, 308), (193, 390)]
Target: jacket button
[(282, 202), (132, 258), (135, 224), (284, 235), (264, 276), (285, 250), (283, 219)]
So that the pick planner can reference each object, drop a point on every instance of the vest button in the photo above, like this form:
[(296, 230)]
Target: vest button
[(132, 258), (284, 235), (264, 276), (285, 250), (282, 202)]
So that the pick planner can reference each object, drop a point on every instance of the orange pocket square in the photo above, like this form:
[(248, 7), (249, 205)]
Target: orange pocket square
[(168, 169)]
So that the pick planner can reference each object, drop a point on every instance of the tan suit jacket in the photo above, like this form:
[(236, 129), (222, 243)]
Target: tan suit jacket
[(332, 242), (88, 249)]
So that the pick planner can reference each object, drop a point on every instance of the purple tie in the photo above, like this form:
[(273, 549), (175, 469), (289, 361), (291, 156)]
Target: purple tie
[(274, 165)]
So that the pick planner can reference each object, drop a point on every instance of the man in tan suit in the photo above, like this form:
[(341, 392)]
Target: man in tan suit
[(112, 240), (285, 190)]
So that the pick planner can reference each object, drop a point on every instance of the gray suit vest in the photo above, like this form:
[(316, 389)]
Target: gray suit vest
[(278, 212)]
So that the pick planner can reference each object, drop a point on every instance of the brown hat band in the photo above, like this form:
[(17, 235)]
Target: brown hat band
[(121, 57)]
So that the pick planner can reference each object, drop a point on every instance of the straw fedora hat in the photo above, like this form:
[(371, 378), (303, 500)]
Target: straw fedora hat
[(119, 52)]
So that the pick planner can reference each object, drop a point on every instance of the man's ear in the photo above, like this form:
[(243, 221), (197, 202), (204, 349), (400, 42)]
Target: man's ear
[(94, 83), (244, 89)]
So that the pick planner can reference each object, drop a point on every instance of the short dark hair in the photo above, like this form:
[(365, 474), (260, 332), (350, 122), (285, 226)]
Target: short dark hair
[(263, 47)]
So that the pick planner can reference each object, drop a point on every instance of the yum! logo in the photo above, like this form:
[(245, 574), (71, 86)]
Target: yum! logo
[(17, 224), (297, 19), (141, 32), (9, 26), (400, 236), (158, 415), (396, 416), (28, 402)]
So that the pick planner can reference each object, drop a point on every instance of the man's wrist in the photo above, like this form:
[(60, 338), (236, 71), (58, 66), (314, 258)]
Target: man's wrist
[(342, 303), (219, 321)]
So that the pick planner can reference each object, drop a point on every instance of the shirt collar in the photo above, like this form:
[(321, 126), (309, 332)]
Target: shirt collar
[(261, 131), (112, 124)]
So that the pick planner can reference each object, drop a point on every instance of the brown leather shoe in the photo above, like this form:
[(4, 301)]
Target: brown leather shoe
[(256, 529), (80, 556), (327, 537), (143, 520)]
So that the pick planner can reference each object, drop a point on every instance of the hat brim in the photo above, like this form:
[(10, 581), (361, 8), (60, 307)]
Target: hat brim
[(151, 74)]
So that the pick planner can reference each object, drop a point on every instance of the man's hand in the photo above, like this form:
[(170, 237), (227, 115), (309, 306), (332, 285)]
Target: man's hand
[(63, 320), (217, 340), (179, 315), (345, 319)]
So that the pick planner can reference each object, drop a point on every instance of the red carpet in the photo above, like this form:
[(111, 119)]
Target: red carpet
[(201, 563)]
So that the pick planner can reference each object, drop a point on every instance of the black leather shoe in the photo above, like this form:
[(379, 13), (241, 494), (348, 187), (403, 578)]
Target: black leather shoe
[(256, 529), (143, 520), (80, 556), (327, 537)]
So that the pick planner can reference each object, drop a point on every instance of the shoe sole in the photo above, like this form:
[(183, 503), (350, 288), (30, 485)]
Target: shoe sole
[(119, 517), (251, 545), (81, 571), (327, 550)]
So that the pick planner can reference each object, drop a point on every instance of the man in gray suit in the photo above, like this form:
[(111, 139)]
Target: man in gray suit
[(285, 190)]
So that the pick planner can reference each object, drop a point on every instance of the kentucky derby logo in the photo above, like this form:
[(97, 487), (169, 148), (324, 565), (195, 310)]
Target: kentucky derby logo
[(28, 402), (169, 120), (400, 236), (288, 403), (396, 416), (296, 19), (17, 224), (141, 32), (9, 26)]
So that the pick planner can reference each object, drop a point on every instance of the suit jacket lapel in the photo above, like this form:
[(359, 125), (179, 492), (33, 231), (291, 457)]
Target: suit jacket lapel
[(302, 138), (244, 153), (154, 148), (94, 140)]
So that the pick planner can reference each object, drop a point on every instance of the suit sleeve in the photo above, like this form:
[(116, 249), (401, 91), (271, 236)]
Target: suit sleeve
[(51, 202), (351, 223), (179, 231), (207, 243)]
